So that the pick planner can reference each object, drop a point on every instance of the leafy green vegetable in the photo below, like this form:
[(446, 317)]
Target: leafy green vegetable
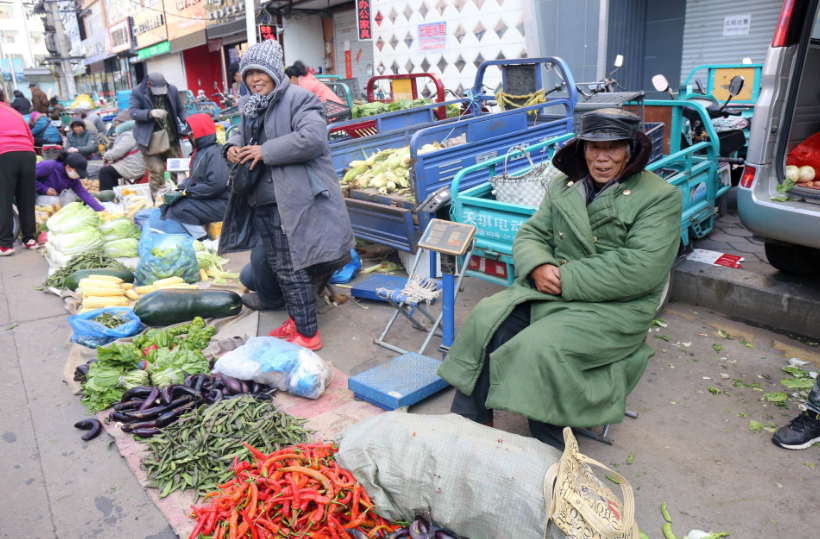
[(660, 322), (119, 229), (796, 372), (714, 390), (74, 217), (159, 253), (756, 426), (666, 338), (800, 383), (121, 248), (786, 186), (717, 347), (103, 386), (369, 109), (780, 198), (631, 458), (775, 397), (613, 479)]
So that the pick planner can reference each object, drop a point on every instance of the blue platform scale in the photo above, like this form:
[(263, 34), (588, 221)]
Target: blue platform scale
[(411, 377)]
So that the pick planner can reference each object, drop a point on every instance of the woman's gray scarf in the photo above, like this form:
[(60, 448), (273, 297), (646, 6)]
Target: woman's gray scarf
[(257, 104)]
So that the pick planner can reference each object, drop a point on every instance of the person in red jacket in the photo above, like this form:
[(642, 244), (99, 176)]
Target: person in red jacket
[(17, 162), (312, 84)]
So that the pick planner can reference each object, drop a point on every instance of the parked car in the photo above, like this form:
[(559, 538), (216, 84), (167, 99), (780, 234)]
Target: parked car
[(786, 114)]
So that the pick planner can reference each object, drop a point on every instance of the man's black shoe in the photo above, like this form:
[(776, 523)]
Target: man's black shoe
[(800, 433), (252, 301)]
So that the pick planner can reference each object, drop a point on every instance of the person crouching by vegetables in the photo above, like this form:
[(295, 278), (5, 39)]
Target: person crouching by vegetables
[(42, 130), (124, 156), (284, 192), (202, 198), (564, 345), (79, 139), (56, 175)]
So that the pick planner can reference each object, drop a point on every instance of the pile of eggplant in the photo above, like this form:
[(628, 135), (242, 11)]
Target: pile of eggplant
[(420, 528), (142, 411)]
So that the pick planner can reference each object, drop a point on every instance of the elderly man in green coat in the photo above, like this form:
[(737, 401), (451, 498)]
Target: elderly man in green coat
[(564, 345)]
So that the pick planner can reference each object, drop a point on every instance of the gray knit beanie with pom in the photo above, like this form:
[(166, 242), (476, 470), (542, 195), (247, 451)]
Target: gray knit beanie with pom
[(266, 57)]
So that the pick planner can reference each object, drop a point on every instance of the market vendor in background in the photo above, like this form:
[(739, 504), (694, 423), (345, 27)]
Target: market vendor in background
[(124, 157), (313, 85), (564, 345), (237, 85), (56, 175), (42, 130), (155, 106), (57, 108), (90, 126), (79, 139), (293, 206), (20, 103), (39, 100), (17, 159), (202, 198), (88, 114)]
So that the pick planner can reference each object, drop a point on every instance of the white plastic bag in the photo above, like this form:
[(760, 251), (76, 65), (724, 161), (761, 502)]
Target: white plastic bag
[(267, 360)]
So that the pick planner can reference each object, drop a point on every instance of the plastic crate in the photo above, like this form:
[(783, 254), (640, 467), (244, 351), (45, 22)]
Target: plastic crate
[(334, 112), (655, 133)]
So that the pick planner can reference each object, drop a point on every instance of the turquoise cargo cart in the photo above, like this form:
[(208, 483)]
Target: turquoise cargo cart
[(694, 170)]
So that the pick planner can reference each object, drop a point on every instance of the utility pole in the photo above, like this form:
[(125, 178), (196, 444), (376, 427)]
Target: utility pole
[(250, 21), (66, 74)]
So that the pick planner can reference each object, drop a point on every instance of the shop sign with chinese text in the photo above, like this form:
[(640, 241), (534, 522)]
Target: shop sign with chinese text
[(120, 36), (184, 17), (363, 20), (149, 26), (433, 36)]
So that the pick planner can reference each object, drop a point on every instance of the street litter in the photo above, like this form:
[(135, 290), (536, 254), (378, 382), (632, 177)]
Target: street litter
[(715, 258)]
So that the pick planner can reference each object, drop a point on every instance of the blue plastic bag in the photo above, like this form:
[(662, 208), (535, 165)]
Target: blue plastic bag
[(180, 262), (143, 215), (93, 334), (348, 273), (268, 360), (169, 226)]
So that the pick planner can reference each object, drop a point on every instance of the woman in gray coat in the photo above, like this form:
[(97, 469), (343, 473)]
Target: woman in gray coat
[(124, 156), (294, 207)]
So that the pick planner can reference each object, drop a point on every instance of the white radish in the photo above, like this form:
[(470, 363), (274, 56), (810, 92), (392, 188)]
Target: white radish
[(792, 173), (806, 174)]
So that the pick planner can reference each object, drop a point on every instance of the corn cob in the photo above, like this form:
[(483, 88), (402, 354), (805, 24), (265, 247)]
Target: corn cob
[(100, 292), (105, 278), (203, 276), (144, 289), (169, 280), (86, 283), (127, 286), (182, 286), (96, 302), (130, 294)]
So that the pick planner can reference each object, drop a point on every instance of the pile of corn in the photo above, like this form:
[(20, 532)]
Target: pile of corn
[(42, 213), (100, 291), (386, 170), (106, 216), (133, 204)]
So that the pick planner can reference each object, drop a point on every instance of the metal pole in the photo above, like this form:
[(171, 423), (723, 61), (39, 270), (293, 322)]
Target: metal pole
[(65, 52), (28, 36), (250, 21)]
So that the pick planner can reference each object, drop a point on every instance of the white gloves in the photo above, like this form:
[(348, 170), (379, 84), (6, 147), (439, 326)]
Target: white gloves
[(159, 113)]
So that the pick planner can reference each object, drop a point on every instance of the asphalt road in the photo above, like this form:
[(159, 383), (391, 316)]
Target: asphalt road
[(693, 449)]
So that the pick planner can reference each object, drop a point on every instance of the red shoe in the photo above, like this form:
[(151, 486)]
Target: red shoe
[(6, 252), (311, 343), (285, 331), (31, 244)]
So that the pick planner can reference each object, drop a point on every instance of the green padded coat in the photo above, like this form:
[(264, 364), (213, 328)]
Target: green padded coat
[(584, 351)]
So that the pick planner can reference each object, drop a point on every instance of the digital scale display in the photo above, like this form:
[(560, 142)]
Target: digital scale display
[(447, 237)]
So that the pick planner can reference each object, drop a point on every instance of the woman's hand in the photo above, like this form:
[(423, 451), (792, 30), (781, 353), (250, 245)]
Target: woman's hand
[(547, 279), (251, 153), (73, 150), (51, 192), (233, 154)]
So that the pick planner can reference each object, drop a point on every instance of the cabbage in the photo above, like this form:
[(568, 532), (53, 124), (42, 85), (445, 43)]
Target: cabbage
[(82, 241), (73, 218), (208, 260), (123, 248), (119, 229)]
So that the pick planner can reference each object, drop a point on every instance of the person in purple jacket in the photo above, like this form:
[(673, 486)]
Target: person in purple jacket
[(56, 175)]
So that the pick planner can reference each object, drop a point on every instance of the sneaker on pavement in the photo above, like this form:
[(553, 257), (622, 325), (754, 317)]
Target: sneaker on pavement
[(252, 301), (285, 331), (311, 343), (31, 244), (800, 433), (6, 251)]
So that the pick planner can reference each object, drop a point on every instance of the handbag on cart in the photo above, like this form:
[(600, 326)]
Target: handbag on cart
[(526, 189)]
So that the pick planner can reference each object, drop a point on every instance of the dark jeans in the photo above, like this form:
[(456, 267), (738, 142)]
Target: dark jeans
[(17, 186), (259, 277), (474, 408), (109, 178)]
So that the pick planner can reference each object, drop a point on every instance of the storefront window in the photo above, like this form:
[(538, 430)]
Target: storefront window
[(234, 52), (94, 23), (9, 36), (6, 11)]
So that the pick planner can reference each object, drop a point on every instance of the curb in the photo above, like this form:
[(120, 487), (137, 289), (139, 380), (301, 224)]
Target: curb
[(784, 303)]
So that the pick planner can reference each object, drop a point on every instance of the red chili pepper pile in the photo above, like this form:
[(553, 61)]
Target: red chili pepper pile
[(298, 491)]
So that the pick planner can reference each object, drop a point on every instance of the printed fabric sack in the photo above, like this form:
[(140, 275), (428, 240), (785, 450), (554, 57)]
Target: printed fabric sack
[(527, 189), (158, 143), (581, 505)]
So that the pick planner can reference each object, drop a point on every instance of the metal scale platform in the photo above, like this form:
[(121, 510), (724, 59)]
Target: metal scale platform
[(411, 377)]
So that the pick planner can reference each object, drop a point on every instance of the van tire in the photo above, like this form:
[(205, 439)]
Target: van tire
[(793, 259)]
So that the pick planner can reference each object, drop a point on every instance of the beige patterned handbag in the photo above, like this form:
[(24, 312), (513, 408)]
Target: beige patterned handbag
[(581, 505)]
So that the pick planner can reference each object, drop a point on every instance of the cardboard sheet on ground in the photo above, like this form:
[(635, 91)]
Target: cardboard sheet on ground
[(329, 415), (230, 333)]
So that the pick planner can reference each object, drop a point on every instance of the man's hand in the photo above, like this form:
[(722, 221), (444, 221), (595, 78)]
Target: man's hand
[(159, 113), (251, 153), (51, 192), (73, 150), (547, 279), (233, 154)]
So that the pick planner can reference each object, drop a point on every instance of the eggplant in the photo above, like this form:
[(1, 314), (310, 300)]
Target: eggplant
[(215, 395), (212, 363), (165, 393), (178, 391), (200, 381), (150, 399), (145, 433), (187, 382), (256, 388), (357, 534), (120, 417), (246, 388), (262, 397), (130, 405), (166, 419), (93, 426), (136, 392), (401, 533), (441, 534), (156, 411), (80, 373), (232, 383), (140, 425)]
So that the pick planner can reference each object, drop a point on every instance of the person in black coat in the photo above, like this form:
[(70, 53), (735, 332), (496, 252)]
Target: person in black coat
[(205, 194), (20, 103)]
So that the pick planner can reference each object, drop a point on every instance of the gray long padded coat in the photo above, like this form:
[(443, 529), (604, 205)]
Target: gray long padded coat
[(308, 196)]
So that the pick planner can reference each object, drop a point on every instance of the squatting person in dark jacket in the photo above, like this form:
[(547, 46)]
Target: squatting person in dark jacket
[(205, 194), (20, 103), (156, 106), (293, 206), (79, 139)]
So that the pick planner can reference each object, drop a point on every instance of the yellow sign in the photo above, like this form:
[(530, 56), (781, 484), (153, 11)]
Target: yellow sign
[(402, 89), (149, 26), (723, 77)]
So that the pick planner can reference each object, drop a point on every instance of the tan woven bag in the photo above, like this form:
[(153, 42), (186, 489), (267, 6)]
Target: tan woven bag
[(581, 505)]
